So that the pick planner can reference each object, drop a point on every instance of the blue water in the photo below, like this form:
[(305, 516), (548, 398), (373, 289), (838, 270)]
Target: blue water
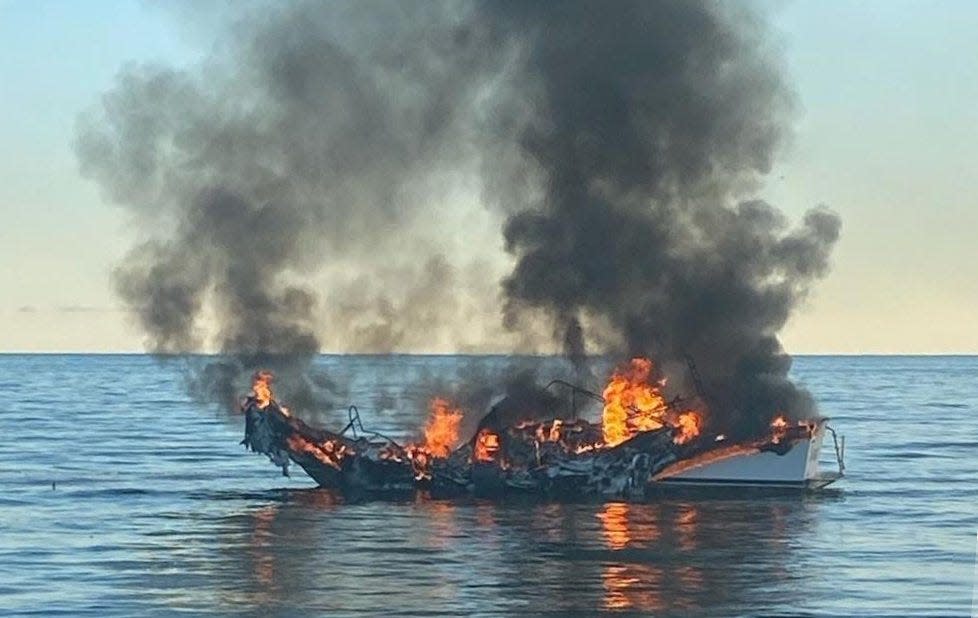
[(156, 510)]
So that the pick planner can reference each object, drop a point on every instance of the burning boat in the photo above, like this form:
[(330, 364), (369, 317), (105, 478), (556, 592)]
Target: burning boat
[(643, 442)]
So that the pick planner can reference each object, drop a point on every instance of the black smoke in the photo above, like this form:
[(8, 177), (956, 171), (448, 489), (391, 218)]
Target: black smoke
[(312, 138), (645, 124), (616, 144)]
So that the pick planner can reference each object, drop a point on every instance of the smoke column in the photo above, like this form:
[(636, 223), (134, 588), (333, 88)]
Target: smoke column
[(643, 125), (309, 139), (615, 146)]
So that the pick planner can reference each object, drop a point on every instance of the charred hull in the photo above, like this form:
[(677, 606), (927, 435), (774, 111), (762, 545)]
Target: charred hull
[(519, 463), (331, 459)]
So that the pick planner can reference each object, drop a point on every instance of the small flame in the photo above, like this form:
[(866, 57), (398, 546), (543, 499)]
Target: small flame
[(441, 432), (687, 427), (420, 461), (327, 452), (544, 433), (261, 388), (555, 430), (390, 452), (486, 445), (779, 427)]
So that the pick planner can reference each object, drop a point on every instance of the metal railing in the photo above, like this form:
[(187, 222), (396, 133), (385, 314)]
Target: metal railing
[(575, 390), (356, 426), (840, 448)]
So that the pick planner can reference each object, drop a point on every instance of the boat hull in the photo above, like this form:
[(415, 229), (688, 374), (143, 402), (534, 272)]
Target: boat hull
[(795, 467)]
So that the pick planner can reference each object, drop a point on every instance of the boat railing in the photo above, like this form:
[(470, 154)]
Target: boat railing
[(355, 426), (840, 448)]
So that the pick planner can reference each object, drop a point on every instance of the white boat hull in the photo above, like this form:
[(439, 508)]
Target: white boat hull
[(798, 467)]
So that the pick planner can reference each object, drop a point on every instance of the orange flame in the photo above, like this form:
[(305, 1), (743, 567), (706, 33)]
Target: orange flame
[(441, 432), (486, 446), (545, 433), (328, 452), (632, 403), (687, 427), (779, 427), (782, 429), (261, 388)]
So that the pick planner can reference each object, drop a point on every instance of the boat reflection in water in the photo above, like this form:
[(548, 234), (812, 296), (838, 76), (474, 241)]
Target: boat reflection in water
[(315, 551)]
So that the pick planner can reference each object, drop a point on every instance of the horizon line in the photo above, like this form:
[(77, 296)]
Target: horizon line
[(464, 354)]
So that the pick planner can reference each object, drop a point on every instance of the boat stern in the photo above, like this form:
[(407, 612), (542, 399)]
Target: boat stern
[(765, 465)]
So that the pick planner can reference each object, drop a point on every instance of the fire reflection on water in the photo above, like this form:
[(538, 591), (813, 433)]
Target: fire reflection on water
[(263, 562), (638, 585), (315, 549), (614, 524), (265, 555), (684, 525), (632, 586), (444, 526), (264, 589)]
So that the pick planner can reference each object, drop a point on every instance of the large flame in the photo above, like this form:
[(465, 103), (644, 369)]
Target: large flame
[(441, 431), (261, 388), (440, 437), (632, 403)]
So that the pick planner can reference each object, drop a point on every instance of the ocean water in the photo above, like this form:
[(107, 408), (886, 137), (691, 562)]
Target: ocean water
[(120, 496)]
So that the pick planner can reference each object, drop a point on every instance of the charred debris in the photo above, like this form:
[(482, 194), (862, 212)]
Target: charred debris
[(641, 438)]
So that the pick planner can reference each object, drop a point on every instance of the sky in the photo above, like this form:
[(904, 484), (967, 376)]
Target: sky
[(886, 135)]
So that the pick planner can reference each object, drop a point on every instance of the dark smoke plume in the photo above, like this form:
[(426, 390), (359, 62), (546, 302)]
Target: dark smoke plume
[(616, 145), (644, 122), (310, 139)]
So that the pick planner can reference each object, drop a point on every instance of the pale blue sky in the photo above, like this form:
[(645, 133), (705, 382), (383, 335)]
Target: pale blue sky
[(887, 135)]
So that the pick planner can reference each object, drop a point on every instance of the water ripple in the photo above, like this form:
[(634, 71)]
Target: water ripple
[(156, 509)]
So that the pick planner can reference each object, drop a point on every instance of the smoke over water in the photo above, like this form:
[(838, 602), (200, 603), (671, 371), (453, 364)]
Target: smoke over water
[(646, 123), (303, 145), (314, 182)]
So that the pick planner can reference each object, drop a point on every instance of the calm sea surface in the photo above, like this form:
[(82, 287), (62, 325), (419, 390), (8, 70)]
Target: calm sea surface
[(157, 510)]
